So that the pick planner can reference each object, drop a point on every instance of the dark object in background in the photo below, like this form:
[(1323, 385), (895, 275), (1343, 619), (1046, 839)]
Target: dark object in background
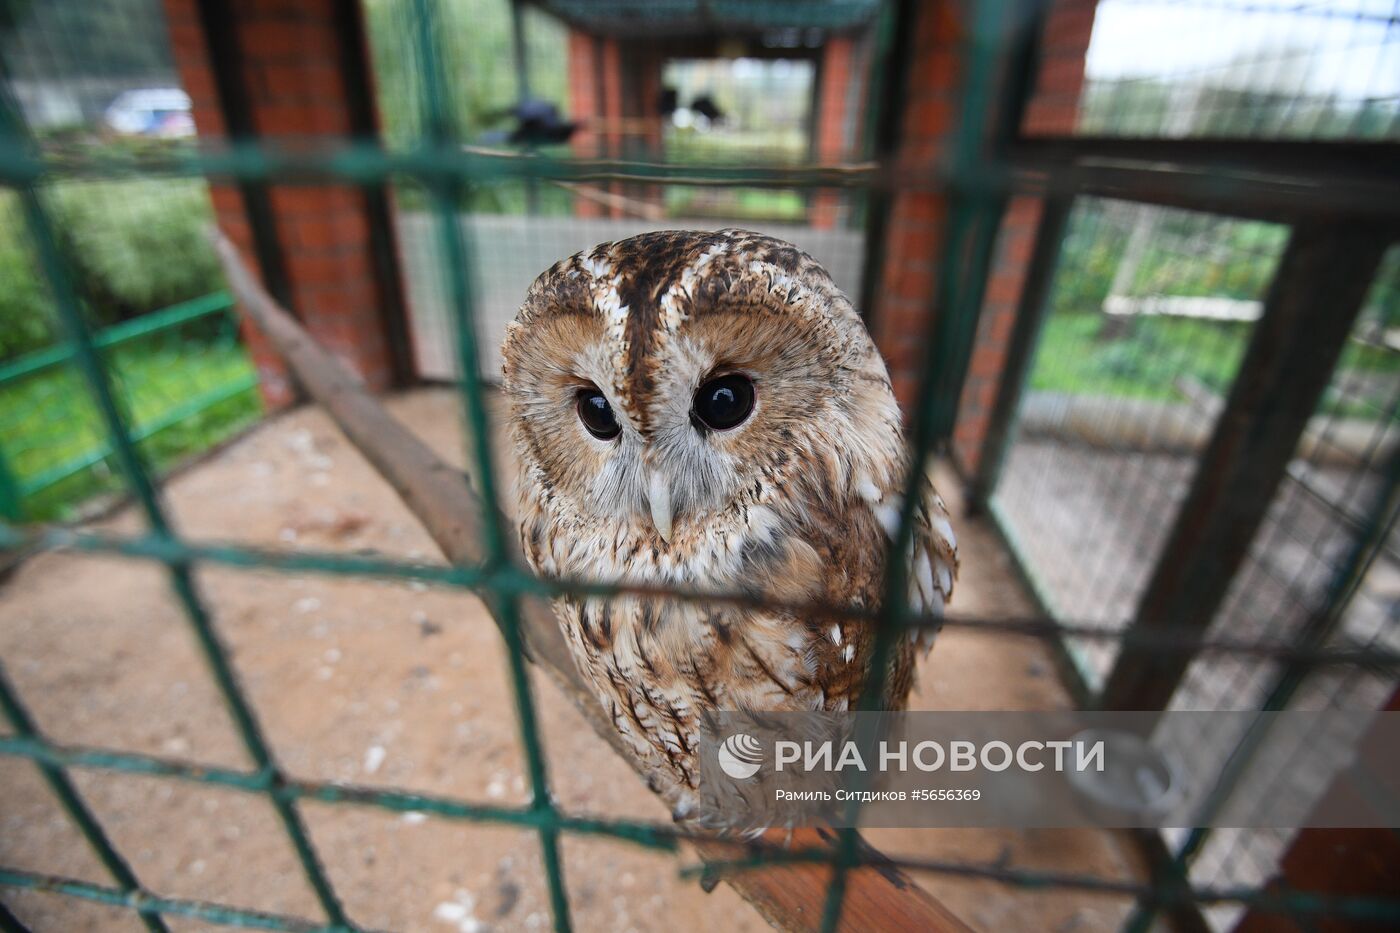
[(538, 123), (667, 103), (705, 106)]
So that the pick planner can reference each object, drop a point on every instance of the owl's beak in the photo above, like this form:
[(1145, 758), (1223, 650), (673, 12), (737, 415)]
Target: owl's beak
[(659, 498)]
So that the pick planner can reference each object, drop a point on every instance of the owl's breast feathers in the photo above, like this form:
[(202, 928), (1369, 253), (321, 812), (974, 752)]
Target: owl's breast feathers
[(658, 663)]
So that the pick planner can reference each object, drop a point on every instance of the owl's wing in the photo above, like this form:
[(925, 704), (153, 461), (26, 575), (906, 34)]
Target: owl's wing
[(934, 562), (933, 558)]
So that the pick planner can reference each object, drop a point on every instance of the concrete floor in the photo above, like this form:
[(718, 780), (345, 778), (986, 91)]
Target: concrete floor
[(398, 684)]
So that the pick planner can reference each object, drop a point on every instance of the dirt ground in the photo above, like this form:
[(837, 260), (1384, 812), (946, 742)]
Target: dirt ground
[(399, 684)]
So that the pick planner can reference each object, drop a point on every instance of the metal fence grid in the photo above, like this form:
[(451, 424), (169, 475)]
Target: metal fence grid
[(135, 248), (977, 190), (183, 376)]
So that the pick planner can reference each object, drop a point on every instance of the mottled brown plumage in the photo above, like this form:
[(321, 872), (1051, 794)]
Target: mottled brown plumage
[(796, 502)]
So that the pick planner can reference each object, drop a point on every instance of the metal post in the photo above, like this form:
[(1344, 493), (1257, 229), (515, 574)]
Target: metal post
[(522, 92), (1030, 315), (11, 493), (1317, 293), (364, 124), (220, 27)]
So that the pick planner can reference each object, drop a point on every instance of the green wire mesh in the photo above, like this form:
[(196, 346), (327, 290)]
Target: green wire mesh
[(451, 176)]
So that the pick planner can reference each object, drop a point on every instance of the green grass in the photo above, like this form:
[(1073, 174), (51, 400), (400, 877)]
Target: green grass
[(132, 246), (1145, 362), (737, 203), (50, 422), (692, 147), (1148, 356)]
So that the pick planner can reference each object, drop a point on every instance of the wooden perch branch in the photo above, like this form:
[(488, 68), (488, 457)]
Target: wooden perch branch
[(790, 896)]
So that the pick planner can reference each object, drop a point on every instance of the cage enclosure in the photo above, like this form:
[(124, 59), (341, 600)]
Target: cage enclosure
[(1132, 267)]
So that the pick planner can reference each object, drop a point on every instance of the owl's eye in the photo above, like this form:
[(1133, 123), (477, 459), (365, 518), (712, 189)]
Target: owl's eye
[(597, 415), (723, 403)]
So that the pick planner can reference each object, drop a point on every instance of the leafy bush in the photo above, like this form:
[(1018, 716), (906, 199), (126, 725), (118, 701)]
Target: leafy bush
[(138, 245), (132, 246), (24, 301)]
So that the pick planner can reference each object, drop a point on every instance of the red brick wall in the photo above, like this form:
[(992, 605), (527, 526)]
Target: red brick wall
[(612, 111), (596, 102), (903, 316), (833, 121), (585, 107), (584, 95), (293, 78), (1052, 110), (916, 219)]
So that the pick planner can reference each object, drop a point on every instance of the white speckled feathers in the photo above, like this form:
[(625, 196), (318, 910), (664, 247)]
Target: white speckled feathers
[(795, 503)]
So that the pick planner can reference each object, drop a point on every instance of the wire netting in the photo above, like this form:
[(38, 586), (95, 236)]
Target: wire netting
[(121, 355), (1147, 322), (1275, 70)]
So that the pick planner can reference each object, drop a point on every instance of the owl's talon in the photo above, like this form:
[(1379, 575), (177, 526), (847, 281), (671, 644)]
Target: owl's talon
[(709, 879)]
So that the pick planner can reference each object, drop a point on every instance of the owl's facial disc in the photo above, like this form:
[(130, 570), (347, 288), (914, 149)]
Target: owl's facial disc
[(657, 382), (721, 403)]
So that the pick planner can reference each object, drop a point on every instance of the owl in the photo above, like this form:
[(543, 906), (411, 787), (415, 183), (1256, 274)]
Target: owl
[(706, 411)]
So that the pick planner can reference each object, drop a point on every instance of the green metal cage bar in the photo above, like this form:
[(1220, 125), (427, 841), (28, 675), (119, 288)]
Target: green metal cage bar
[(658, 837), (512, 580), (23, 725), (445, 195), (144, 431), (115, 336), (89, 361), (15, 489)]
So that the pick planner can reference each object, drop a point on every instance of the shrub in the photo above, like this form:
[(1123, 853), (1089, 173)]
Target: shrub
[(24, 301), (132, 247), (137, 246)]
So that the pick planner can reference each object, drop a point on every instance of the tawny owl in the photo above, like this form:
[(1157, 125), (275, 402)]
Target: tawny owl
[(706, 410)]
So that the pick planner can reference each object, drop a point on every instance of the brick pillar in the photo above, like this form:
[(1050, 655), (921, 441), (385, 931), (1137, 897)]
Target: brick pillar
[(612, 111), (914, 232), (832, 122), (292, 74), (648, 71), (585, 106), (914, 235), (1052, 110), (595, 100), (642, 66)]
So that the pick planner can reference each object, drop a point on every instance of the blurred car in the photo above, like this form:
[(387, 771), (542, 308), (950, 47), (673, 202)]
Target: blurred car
[(162, 112)]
